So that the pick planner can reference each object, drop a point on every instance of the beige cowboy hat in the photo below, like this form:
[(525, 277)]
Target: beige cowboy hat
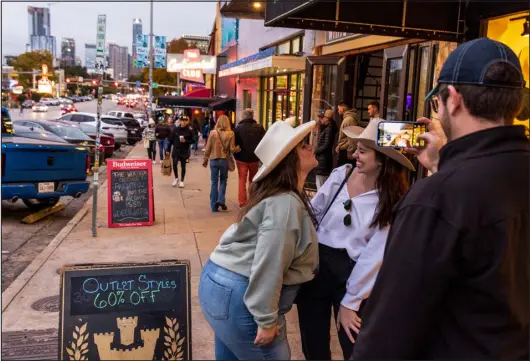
[(368, 135), (279, 140)]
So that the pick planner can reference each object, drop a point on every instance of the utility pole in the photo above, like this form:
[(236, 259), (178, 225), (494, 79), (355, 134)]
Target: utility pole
[(151, 60), (100, 68)]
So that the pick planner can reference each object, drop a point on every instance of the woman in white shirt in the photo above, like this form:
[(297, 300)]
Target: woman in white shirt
[(354, 209)]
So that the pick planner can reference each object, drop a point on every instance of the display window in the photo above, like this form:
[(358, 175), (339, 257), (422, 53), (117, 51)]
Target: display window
[(281, 98)]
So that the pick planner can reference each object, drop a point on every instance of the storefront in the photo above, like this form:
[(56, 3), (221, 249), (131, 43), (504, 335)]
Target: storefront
[(281, 98), (513, 30)]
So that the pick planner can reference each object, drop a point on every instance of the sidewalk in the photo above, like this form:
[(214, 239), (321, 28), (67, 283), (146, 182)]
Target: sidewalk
[(185, 228)]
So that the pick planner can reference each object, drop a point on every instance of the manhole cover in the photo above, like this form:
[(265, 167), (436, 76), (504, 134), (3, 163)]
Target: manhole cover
[(30, 345), (48, 304)]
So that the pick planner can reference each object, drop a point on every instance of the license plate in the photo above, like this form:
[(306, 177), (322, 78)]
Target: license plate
[(46, 187)]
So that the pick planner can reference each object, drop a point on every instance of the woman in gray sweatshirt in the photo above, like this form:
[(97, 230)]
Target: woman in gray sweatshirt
[(253, 276)]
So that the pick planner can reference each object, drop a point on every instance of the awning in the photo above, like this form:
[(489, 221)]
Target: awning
[(216, 103), (243, 9), (267, 66), (199, 93), (431, 20)]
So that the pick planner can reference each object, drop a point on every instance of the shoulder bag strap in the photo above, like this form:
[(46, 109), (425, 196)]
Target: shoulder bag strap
[(227, 153), (335, 196)]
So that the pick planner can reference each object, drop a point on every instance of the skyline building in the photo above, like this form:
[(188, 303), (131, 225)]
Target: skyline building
[(119, 61), (201, 42), (68, 52), (136, 30), (39, 28), (90, 57)]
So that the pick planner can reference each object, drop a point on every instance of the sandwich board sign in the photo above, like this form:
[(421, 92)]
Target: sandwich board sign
[(125, 311)]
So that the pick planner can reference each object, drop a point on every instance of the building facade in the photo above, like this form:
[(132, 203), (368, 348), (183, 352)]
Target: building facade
[(119, 61), (136, 30), (40, 38), (90, 57), (68, 52)]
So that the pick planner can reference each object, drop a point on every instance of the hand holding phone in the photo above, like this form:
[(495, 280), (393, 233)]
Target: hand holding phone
[(400, 135), (435, 139)]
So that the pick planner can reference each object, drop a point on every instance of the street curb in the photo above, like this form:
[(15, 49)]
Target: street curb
[(22, 280)]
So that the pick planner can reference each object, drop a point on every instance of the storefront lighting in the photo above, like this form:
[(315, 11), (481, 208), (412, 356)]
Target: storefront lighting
[(256, 5), (525, 28)]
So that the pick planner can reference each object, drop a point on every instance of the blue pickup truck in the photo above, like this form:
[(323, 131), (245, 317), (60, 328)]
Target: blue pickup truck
[(39, 172)]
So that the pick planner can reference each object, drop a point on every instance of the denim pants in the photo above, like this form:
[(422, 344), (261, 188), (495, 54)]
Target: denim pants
[(219, 175), (221, 295), (162, 145)]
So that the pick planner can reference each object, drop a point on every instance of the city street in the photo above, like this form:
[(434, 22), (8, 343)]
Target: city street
[(21, 243)]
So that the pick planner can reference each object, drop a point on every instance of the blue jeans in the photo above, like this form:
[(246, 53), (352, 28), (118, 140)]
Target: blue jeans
[(219, 174), (162, 144), (221, 295)]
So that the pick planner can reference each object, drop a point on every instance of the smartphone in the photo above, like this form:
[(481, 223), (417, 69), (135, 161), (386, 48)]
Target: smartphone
[(399, 134)]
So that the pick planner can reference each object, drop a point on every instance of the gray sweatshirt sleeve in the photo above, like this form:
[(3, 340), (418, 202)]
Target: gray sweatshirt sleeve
[(275, 250)]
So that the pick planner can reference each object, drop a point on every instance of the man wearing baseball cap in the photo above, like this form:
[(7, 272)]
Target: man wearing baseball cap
[(454, 282)]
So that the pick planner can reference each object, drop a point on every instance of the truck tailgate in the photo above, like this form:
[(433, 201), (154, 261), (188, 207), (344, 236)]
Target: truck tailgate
[(28, 160)]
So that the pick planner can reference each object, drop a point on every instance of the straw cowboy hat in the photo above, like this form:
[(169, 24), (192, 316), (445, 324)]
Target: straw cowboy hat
[(151, 121), (279, 140), (368, 136)]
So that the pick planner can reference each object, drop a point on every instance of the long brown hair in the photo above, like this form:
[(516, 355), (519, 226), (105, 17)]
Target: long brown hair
[(391, 185), (282, 179)]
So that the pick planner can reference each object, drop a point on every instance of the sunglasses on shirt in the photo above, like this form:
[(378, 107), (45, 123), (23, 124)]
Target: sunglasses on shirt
[(347, 218)]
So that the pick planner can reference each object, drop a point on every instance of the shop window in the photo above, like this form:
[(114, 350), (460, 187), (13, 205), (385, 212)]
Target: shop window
[(395, 67), (282, 101), (324, 87), (423, 81), (409, 101), (247, 99), (281, 82), (294, 82), (284, 48)]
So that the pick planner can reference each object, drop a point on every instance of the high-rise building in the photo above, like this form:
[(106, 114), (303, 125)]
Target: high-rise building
[(136, 30), (68, 52), (119, 61), (90, 57), (201, 42), (40, 30)]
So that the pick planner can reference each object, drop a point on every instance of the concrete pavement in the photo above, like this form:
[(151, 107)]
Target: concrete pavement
[(185, 228)]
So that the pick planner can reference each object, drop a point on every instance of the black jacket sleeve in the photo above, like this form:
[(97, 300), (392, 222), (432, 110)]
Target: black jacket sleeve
[(188, 135), (171, 139), (325, 142), (416, 271), (238, 136)]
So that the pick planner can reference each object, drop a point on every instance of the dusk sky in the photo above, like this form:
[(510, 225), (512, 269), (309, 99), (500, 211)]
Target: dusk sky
[(77, 19)]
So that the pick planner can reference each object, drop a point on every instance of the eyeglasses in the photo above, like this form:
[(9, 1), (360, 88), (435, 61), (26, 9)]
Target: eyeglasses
[(434, 103), (347, 217)]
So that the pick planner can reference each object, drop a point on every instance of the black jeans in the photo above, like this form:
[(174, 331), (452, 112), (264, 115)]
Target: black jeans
[(151, 151), (316, 299), (182, 160)]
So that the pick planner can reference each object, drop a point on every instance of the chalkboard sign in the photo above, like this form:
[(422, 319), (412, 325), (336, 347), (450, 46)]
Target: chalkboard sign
[(125, 312), (130, 193)]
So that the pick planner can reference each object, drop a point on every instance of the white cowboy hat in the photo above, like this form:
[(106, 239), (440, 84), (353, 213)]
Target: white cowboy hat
[(151, 121), (279, 140), (368, 135)]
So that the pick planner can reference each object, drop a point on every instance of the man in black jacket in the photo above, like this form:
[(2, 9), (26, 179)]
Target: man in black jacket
[(324, 148), (454, 283), (180, 139), (248, 135)]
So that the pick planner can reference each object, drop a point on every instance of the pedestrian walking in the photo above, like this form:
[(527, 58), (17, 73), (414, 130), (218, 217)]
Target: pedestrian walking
[(179, 142), (162, 131), (354, 209), (205, 131), (252, 277), (248, 134), (220, 146), (346, 147), (21, 108), (324, 148), (455, 278), (196, 127), (149, 139)]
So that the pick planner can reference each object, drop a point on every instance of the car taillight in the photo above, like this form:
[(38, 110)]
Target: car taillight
[(87, 164)]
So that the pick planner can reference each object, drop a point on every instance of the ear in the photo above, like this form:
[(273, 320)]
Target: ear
[(454, 100)]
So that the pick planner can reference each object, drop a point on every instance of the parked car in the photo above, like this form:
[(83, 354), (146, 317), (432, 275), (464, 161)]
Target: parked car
[(67, 109), (34, 133), (71, 134), (49, 101), (75, 98), (106, 139), (134, 128), (39, 171), (28, 104), (108, 124), (65, 101), (39, 107), (140, 117)]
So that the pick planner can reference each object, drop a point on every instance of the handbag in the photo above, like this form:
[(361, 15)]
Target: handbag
[(229, 157), (335, 196), (166, 167), (146, 143)]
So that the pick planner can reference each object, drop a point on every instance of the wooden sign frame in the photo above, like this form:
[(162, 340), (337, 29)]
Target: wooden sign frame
[(124, 165), (81, 337)]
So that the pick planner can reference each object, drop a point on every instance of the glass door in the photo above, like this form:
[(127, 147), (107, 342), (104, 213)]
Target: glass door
[(393, 96), (281, 106)]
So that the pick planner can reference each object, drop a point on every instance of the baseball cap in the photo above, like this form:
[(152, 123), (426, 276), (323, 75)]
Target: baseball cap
[(470, 61), (328, 114)]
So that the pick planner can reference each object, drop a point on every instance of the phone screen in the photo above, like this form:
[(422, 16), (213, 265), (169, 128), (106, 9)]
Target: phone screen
[(396, 134)]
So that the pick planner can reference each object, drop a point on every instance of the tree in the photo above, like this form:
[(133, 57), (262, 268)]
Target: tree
[(177, 46), (33, 60), (75, 71), (160, 76), (135, 77)]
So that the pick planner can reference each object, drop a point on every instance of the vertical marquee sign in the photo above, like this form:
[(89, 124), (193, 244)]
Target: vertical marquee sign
[(130, 193), (125, 312)]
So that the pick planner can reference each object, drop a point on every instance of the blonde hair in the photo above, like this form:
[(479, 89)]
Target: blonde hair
[(223, 123)]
